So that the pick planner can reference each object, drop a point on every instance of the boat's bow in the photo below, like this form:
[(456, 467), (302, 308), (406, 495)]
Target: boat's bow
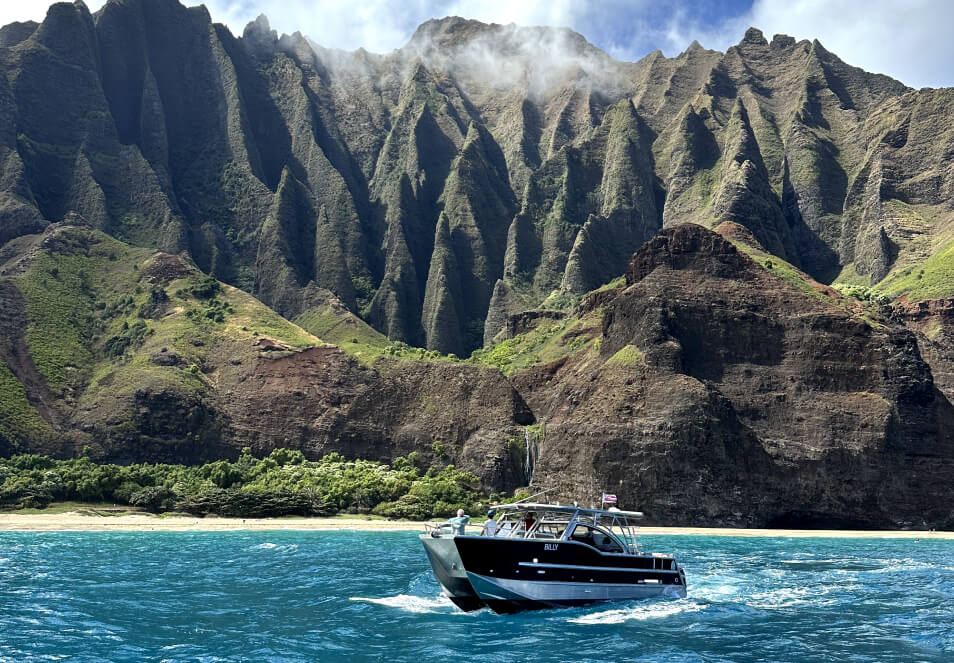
[(449, 570)]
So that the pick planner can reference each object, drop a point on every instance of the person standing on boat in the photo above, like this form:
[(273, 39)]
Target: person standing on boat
[(490, 525), (459, 524), (529, 520)]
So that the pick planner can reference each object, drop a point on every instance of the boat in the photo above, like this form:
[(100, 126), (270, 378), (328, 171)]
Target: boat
[(548, 556)]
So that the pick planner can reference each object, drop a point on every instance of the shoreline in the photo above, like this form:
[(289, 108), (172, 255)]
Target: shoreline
[(77, 522)]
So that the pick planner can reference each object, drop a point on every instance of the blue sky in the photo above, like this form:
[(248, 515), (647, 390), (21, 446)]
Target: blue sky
[(907, 39)]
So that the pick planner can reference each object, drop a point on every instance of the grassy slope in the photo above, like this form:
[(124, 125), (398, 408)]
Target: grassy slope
[(786, 272), (930, 279), (18, 418), (346, 330), (181, 331), (628, 355), (84, 290), (858, 304), (62, 288), (548, 341), (924, 267)]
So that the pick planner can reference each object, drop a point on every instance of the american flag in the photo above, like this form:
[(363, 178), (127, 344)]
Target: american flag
[(609, 499)]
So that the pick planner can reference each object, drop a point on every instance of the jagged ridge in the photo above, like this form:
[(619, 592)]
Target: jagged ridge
[(285, 168)]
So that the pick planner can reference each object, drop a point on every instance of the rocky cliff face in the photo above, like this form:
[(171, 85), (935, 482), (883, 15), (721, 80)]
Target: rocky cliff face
[(129, 355), (715, 391), (706, 387), (470, 175)]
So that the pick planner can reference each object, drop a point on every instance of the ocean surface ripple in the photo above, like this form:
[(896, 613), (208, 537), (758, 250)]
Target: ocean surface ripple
[(285, 596)]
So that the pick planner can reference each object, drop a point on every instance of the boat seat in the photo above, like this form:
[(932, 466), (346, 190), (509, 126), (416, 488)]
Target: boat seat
[(606, 544)]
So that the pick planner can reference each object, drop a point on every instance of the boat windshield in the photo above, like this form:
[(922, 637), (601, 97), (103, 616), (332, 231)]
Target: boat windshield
[(596, 537), (532, 525), (610, 531)]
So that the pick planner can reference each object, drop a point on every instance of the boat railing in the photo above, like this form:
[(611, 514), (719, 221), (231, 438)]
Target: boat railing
[(556, 522), (627, 535), (438, 530)]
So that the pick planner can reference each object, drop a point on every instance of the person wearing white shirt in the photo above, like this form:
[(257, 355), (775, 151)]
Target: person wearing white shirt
[(490, 525)]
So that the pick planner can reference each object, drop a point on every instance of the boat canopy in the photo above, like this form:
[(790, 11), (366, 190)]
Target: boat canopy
[(581, 513), (610, 530)]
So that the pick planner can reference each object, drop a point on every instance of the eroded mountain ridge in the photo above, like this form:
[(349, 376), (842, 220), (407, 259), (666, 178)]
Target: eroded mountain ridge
[(468, 188), (472, 174)]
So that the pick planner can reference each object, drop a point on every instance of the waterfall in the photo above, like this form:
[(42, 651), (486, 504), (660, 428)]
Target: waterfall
[(528, 464), (531, 445)]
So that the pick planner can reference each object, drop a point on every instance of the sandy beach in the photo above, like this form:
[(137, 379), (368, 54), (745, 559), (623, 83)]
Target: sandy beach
[(73, 521)]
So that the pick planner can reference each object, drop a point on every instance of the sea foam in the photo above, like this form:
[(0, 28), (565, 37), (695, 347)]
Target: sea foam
[(638, 613), (417, 604)]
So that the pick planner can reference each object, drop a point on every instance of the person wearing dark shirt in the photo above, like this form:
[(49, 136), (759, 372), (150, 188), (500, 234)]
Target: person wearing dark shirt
[(529, 520)]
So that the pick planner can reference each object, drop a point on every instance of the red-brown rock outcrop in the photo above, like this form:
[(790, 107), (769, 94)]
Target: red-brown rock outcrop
[(723, 394)]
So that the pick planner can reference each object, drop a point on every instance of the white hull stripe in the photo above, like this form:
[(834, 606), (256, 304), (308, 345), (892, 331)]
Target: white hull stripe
[(541, 565), (501, 588)]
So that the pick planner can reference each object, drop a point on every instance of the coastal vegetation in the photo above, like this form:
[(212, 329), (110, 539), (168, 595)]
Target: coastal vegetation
[(546, 342), (283, 483)]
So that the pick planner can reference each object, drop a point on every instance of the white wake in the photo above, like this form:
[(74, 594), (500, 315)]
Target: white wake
[(638, 613), (409, 603)]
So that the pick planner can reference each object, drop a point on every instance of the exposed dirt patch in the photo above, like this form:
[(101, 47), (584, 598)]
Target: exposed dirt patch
[(165, 267)]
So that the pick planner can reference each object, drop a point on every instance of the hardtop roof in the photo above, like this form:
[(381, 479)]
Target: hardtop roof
[(566, 508)]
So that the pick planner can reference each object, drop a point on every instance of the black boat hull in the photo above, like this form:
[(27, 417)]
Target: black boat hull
[(511, 575)]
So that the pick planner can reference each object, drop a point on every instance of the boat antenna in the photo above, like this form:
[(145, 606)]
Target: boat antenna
[(530, 497)]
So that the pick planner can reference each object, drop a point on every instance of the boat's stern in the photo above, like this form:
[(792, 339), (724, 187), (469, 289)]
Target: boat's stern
[(449, 571), (679, 589)]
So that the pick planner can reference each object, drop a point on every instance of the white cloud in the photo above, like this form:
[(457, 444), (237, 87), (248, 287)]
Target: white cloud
[(908, 40), (559, 13), (24, 10), (377, 25)]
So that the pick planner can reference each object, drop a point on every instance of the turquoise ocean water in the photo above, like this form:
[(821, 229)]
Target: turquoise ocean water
[(330, 596)]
